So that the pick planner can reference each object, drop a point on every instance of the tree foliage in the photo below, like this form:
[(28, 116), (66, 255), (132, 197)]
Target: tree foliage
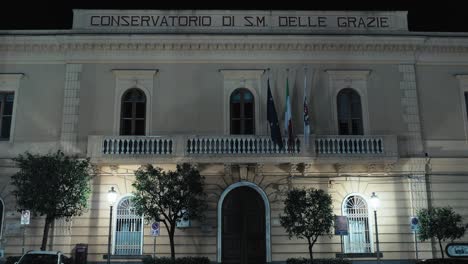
[(169, 196), (441, 223), (307, 214), (54, 185)]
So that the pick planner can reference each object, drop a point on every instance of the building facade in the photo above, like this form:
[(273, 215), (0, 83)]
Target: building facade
[(387, 110)]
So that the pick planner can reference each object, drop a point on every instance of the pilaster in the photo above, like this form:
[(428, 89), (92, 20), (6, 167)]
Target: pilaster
[(410, 107), (71, 108)]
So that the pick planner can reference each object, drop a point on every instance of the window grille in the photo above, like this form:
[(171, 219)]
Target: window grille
[(242, 112), (133, 113), (128, 231), (349, 112), (358, 238)]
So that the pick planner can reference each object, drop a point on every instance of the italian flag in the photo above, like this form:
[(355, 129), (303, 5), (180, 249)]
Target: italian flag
[(288, 129)]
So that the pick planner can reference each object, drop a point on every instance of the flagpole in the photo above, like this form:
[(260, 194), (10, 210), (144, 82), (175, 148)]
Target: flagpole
[(272, 119), (268, 83), (286, 111), (288, 115), (306, 137)]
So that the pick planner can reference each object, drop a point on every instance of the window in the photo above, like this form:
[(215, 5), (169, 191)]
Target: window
[(242, 112), (6, 113), (358, 238), (133, 113), (349, 112), (128, 229)]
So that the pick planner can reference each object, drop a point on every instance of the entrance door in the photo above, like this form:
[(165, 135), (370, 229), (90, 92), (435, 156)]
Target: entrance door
[(243, 227)]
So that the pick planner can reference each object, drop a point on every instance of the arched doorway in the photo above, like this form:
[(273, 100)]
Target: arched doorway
[(128, 228), (243, 227)]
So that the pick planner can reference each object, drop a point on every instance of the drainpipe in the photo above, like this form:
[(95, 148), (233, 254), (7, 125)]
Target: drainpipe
[(427, 166)]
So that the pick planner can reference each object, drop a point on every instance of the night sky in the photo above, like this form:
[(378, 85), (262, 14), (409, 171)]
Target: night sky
[(50, 15)]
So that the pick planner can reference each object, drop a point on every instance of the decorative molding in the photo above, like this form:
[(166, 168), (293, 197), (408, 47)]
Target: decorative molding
[(372, 168), (243, 172), (228, 170), (358, 81), (307, 169), (249, 79), (259, 169), (196, 165), (35, 49), (339, 168), (66, 41), (126, 79), (389, 167), (10, 82), (162, 43), (65, 44), (295, 169)]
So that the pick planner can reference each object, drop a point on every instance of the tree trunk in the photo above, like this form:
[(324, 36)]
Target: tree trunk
[(441, 250), (45, 235), (310, 249), (171, 240)]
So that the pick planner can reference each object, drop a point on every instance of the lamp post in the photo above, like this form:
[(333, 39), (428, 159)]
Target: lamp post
[(375, 201), (111, 197)]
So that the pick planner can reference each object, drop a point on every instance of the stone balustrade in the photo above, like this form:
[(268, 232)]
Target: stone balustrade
[(144, 145), (238, 145), (350, 145), (239, 148)]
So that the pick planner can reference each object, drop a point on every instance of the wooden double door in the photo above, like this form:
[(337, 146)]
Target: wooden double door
[(243, 227)]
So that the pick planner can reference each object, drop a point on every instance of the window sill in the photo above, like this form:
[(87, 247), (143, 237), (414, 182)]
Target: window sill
[(358, 255), (126, 256)]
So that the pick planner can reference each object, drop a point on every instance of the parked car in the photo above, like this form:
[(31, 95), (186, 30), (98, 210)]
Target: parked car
[(43, 257)]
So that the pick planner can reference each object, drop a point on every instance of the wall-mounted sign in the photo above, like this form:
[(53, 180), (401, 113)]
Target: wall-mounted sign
[(25, 216), (341, 225), (457, 250), (237, 21), (12, 229), (155, 229), (414, 223)]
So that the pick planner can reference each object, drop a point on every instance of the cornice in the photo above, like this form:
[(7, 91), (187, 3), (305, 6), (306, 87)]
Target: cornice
[(190, 43), (63, 45)]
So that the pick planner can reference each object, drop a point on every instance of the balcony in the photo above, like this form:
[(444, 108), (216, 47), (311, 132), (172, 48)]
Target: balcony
[(239, 149)]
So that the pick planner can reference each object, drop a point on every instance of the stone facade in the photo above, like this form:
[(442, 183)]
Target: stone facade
[(68, 89)]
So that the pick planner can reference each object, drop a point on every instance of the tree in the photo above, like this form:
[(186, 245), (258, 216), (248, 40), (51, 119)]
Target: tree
[(441, 223), (54, 185), (308, 214), (169, 196)]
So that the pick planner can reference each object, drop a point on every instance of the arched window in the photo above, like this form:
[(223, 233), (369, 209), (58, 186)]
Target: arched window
[(128, 229), (242, 112), (358, 238), (2, 210), (349, 107), (133, 113)]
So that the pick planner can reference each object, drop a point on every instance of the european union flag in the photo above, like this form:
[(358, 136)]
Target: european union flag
[(272, 118)]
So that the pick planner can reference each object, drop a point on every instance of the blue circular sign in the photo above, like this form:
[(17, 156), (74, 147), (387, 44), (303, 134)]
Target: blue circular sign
[(155, 226)]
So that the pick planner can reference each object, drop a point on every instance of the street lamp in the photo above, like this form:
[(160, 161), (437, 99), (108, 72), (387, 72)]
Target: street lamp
[(375, 202), (111, 198)]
